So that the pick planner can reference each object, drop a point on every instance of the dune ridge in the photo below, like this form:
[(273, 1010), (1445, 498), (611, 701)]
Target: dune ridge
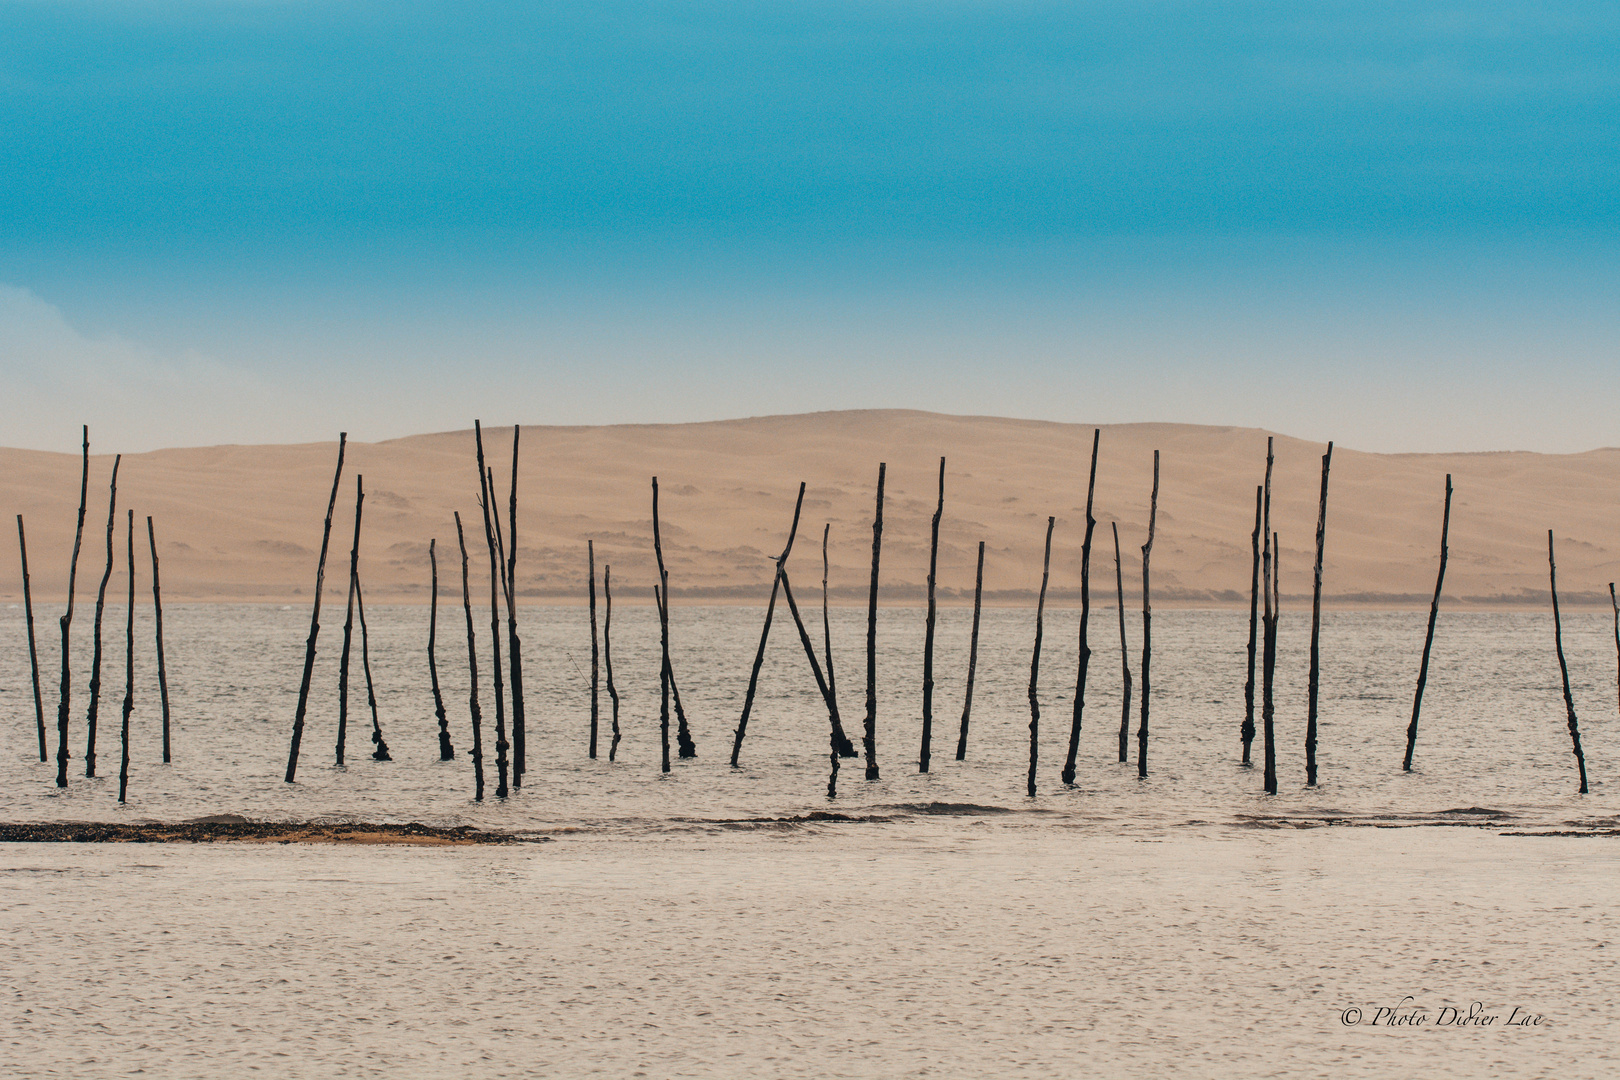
[(243, 523)]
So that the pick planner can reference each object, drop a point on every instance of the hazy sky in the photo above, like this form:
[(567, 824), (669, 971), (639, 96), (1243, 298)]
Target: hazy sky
[(1394, 225)]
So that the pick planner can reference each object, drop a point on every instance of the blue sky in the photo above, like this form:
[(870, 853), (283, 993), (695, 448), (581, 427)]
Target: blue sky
[(1394, 225)]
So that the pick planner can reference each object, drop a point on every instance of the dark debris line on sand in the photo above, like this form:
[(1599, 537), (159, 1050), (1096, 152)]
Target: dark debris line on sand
[(229, 827)]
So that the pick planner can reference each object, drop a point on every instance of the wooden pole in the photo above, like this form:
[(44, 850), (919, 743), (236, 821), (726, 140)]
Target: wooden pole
[(1269, 710), (683, 735), (1615, 603), (129, 665), (590, 558), (380, 753), (1147, 624), (840, 741), (1316, 627), (1085, 616), (1246, 732), (314, 620), (157, 612), (1269, 642), (447, 752), (1035, 662), (497, 575), (1124, 656), (844, 747), (663, 678), (472, 671), (66, 693), (607, 656), (505, 591), (1428, 638), (514, 643), (348, 621), (33, 653), (870, 739), (973, 658), (928, 634), (765, 634), (1563, 668), (101, 603)]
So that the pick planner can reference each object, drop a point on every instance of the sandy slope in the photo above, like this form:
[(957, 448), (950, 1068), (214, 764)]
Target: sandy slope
[(244, 522)]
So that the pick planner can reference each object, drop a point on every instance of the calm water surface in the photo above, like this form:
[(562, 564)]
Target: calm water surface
[(1183, 923)]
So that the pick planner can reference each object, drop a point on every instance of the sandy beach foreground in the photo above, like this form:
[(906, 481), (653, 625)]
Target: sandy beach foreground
[(244, 522)]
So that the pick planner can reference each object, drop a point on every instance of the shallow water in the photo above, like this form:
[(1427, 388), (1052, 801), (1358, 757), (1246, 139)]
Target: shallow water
[(1185, 924)]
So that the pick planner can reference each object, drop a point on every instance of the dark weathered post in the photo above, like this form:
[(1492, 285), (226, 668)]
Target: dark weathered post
[(663, 679), (683, 734), (380, 753), (314, 619), (101, 603), (514, 644), (870, 739), (129, 665), (447, 752), (348, 621), (33, 653), (973, 658), (1316, 627), (1613, 602), (1085, 616), (1428, 639), (66, 694), (765, 633), (472, 671), (843, 746), (1035, 662), (840, 740), (1147, 624), (157, 612), (607, 656), (928, 634), (590, 558), (1246, 732), (1563, 668), (497, 577), (1269, 643), (1124, 656)]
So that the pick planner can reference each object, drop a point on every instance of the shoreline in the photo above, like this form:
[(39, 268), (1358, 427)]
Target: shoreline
[(231, 828)]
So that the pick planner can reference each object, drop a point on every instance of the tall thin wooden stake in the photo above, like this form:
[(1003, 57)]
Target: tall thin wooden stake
[(765, 633), (1615, 603), (1316, 627), (928, 636), (66, 693), (380, 753), (1124, 656), (348, 621), (101, 603), (683, 734), (128, 671), (1269, 644), (840, 741), (663, 680), (870, 739), (497, 576), (590, 558), (477, 750), (1246, 732), (1035, 662), (1428, 639), (973, 658), (447, 752), (1563, 668), (846, 749), (129, 665), (157, 612), (1085, 616), (607, 656), (314, 620), (1147, 625), (514, 643), (33, 654)]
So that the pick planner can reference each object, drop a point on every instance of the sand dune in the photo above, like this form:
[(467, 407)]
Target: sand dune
[(244, 522)]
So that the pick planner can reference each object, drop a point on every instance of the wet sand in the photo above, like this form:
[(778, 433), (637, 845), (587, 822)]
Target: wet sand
[(231, 828)]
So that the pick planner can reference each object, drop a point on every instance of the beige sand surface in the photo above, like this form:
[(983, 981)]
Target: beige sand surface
[(244, 522)]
